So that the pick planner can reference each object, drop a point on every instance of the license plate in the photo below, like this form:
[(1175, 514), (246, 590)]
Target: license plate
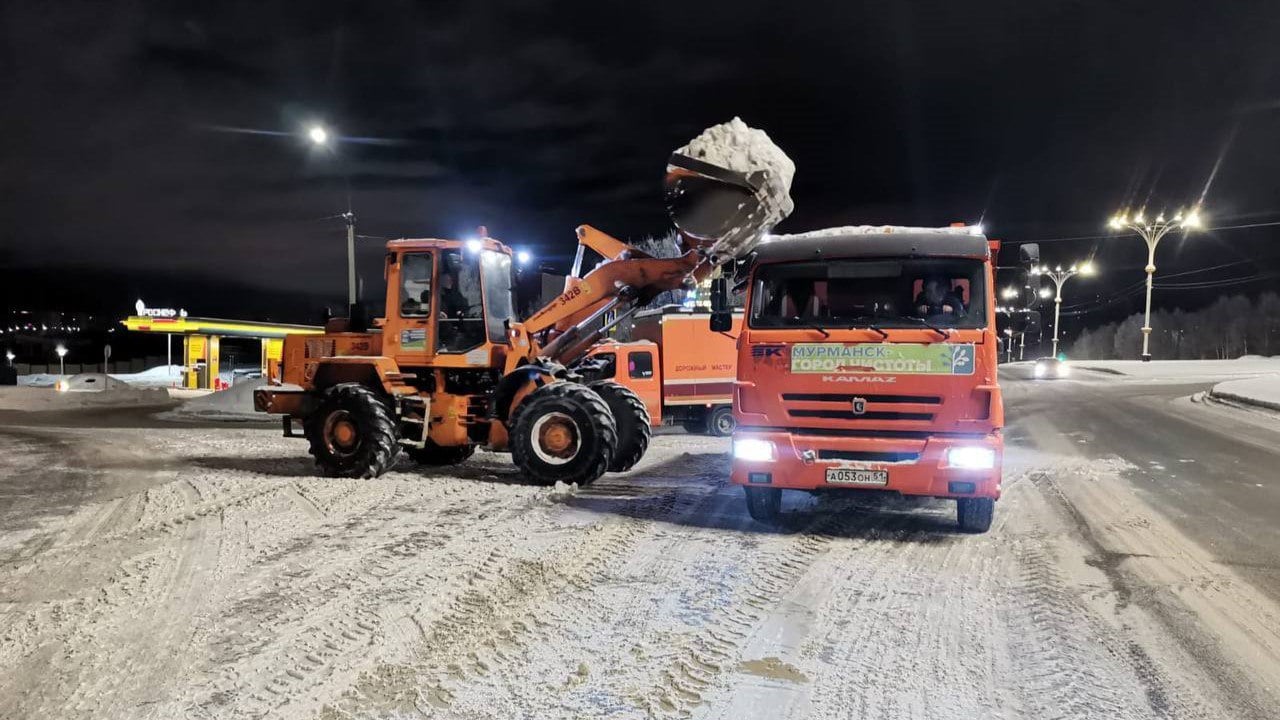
[(845, 476)]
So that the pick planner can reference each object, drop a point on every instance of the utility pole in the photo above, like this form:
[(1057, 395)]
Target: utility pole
[(350, 218)]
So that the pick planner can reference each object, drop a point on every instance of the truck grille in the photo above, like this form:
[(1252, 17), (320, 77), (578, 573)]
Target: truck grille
[(840, 406), (869, 456), (835, 397)]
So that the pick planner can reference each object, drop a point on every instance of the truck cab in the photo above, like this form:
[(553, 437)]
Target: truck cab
[(868, 362)]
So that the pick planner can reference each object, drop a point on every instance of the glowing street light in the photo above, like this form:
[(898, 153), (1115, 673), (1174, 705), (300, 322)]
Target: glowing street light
[(523, 257), (1060, 277), (62, 353), (8, 354), (318, 135), (1009, 293), (1152, 231)]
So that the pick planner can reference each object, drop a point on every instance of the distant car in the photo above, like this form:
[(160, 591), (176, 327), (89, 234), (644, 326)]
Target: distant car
[(89, 382), (1051, 368)]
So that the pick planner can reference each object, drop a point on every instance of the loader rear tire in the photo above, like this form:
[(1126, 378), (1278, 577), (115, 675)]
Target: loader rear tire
[(632, 419), (435, 455), (563, 432), (352, 433)]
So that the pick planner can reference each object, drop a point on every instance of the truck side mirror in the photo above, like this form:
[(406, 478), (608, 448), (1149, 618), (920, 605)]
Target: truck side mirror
[(720, 294), (721, 321)]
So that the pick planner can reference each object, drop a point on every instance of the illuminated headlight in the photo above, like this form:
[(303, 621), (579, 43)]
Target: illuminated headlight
[(61, 386), (971, 458), (752, 450), (1064, 370), (1040, 371)]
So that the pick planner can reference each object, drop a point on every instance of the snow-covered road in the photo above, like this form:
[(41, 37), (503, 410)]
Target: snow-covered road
[(159, 572)]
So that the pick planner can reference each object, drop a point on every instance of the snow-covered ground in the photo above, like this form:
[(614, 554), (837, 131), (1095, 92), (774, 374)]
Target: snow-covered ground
[(38, 399), (1263, 391), (195, 573), (1183, 369)]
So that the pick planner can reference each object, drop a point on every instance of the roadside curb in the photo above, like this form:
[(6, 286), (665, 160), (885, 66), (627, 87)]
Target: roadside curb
[(1230, 398)]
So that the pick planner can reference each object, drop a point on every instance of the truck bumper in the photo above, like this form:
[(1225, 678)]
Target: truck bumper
[(915, 466)]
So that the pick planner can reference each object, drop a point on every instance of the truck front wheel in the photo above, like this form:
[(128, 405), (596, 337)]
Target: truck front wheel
[(764, 504), (974, 515), (563, 431), (632, 419), (351, 433), (720, 422)]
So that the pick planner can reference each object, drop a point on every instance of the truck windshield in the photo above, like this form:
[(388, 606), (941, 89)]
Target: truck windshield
[(944, 292)]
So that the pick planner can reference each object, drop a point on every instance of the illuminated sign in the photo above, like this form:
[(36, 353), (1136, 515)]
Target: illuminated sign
[(144, 311)]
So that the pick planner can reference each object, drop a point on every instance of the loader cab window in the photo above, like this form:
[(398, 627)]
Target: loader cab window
[(459, 308), (498, 299), (640, 365), (945, 292), (415, 285)]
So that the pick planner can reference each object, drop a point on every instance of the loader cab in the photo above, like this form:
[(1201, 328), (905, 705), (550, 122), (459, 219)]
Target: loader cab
[(449, 302)]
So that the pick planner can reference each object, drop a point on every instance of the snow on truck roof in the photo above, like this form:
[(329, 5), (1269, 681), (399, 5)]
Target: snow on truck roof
[(874, 241)]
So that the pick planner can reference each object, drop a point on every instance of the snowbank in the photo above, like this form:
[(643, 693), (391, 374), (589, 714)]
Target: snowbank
[(1183, 369), (36, 399), (1262, 391), (159, 376), (234, 404)]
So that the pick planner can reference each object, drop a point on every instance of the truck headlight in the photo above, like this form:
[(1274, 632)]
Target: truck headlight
[(753, 450), (971, 458)]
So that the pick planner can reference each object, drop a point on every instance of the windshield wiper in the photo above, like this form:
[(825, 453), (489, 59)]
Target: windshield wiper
[(814, 326), (870, 326), (946, 334)]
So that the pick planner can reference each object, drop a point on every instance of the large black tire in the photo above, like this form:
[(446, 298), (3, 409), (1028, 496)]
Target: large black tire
[(352, 433), (563, 431), (764, 504), (974, 515), (720, 422), (433, 454), (632, 420)]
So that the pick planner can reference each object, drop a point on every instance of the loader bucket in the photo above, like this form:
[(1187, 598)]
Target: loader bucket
[(704, 200)]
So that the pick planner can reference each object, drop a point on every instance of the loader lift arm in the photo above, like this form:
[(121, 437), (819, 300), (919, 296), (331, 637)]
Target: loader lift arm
[(627, 279)]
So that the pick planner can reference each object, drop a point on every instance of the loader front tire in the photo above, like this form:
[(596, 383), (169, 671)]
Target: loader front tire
[(632, 419), (352, 433), (563, 432), (433, 454)]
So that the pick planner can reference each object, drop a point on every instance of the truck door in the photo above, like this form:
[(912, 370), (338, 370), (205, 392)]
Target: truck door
[(409, 339), (643, 377)]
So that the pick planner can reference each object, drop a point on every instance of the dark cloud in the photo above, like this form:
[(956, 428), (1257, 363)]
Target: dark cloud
[(118, 150)]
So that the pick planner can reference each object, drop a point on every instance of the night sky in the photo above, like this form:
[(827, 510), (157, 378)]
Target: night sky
[(127, 168)]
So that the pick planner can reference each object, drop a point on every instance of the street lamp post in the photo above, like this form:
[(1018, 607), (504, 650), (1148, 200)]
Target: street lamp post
[(62, 353), (1060, 278), (1152, 232), (319, 137)]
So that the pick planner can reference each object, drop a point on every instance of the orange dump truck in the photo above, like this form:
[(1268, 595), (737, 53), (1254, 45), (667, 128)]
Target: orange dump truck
[(682, 370), (868, 362)]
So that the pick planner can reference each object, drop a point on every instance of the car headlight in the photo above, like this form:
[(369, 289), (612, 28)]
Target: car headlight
[(1039, 371), (753, 450), (971, 458), (61, 386)]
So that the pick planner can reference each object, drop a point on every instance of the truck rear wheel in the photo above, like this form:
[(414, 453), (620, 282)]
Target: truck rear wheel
[(563, 431), (974, 515), (764, 504), (351, 433), (720, 422), (433, 454), (632, 420)]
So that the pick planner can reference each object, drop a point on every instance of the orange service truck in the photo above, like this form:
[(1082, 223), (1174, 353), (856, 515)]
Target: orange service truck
[(868, 362), (683, 371)]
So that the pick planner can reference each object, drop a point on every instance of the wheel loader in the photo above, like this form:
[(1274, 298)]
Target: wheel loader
[(449, 367)]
